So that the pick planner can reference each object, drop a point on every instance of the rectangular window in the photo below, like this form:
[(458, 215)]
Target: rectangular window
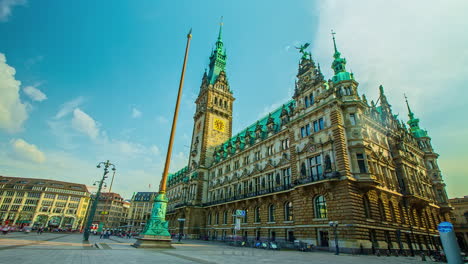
[(305, 130), (270, 150), (7, 200), (315, 167), (285, 144), (49, 196), (228, 168), (270, 181), (246, 160), (361, 162), (311, 100), (34, 194), (220, 172), (257, 184), (286, 176), (18, 200), (318, 125), (236, 164), (306, 100), (257, 156), (352, 119)]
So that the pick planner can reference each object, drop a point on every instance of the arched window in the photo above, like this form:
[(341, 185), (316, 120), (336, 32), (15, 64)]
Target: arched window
[(244, 220), (428, 221), (303, 169), (216, 100), (434, 222), (402, 214), (217, 218), (278, 179), (367, 207), (382, 214), (288, 211), (320, 206), (257, 214), (225, 217), (271, 213), (392, 212)]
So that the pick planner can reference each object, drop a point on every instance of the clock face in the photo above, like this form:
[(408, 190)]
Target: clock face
[(219, 124)]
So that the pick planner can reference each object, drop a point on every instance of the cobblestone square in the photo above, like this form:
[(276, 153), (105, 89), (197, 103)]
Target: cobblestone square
[(69, 248)]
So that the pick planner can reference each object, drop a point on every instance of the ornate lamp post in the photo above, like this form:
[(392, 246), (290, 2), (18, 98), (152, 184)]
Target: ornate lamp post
[(106, 164), (156, 233)]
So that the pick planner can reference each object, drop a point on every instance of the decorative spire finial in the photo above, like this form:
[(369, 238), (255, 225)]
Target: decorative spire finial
[(220, 28), (410, 113), (334, 42)]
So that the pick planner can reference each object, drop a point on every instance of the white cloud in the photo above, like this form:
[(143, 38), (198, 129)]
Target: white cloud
[(6, 6), (136, 113), (155, 150), (162, 120), (13, 112), (408, 46), (85, 124), (27, 151), (69, 106), (34, 93), (178, 161), (270, 108)]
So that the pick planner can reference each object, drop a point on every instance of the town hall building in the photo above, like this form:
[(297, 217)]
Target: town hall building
[(326, 157)]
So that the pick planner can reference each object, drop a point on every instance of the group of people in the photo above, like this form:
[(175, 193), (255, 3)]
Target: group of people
[(121, 233)]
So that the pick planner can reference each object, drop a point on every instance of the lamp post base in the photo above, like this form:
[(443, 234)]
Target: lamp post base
[(149, 241)]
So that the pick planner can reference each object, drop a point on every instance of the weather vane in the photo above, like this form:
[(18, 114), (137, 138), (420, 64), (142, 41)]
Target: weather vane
[(302, 49)]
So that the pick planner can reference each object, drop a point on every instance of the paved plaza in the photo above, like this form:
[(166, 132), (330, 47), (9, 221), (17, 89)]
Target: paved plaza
[(69, 248)]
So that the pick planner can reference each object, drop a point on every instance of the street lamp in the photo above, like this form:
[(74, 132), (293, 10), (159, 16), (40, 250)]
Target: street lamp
[(334, 224), (106, 164)]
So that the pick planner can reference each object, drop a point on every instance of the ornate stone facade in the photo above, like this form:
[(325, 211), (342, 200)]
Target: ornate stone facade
[(42, 203), (326, 155)]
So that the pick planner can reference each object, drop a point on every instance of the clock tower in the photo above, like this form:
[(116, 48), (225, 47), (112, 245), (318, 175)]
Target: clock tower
[(213, 115)]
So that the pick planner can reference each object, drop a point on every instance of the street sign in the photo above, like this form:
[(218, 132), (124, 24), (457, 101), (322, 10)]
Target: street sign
[(445, 227), (181, 219), (237, 227), (240, 212)]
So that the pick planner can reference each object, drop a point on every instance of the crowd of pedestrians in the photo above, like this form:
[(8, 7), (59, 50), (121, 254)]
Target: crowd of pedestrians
[(107, 233)]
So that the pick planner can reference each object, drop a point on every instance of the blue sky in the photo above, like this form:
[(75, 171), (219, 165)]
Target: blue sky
[(97, 80)]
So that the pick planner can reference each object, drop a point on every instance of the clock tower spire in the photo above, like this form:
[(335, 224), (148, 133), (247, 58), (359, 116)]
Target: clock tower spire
[(213, 114)]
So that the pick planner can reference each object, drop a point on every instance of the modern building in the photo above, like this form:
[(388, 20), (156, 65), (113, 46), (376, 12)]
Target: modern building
[(141, 205), (328, 158), (460, 220), (111, 212), (42, 203)]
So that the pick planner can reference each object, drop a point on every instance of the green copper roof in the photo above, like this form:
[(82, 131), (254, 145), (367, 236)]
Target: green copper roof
[(339, 65), (178, 176), (217, 58), (414, 123), (260, 128)]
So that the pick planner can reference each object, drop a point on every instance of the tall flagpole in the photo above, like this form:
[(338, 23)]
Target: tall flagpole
[(156, 233), (162, 186)]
